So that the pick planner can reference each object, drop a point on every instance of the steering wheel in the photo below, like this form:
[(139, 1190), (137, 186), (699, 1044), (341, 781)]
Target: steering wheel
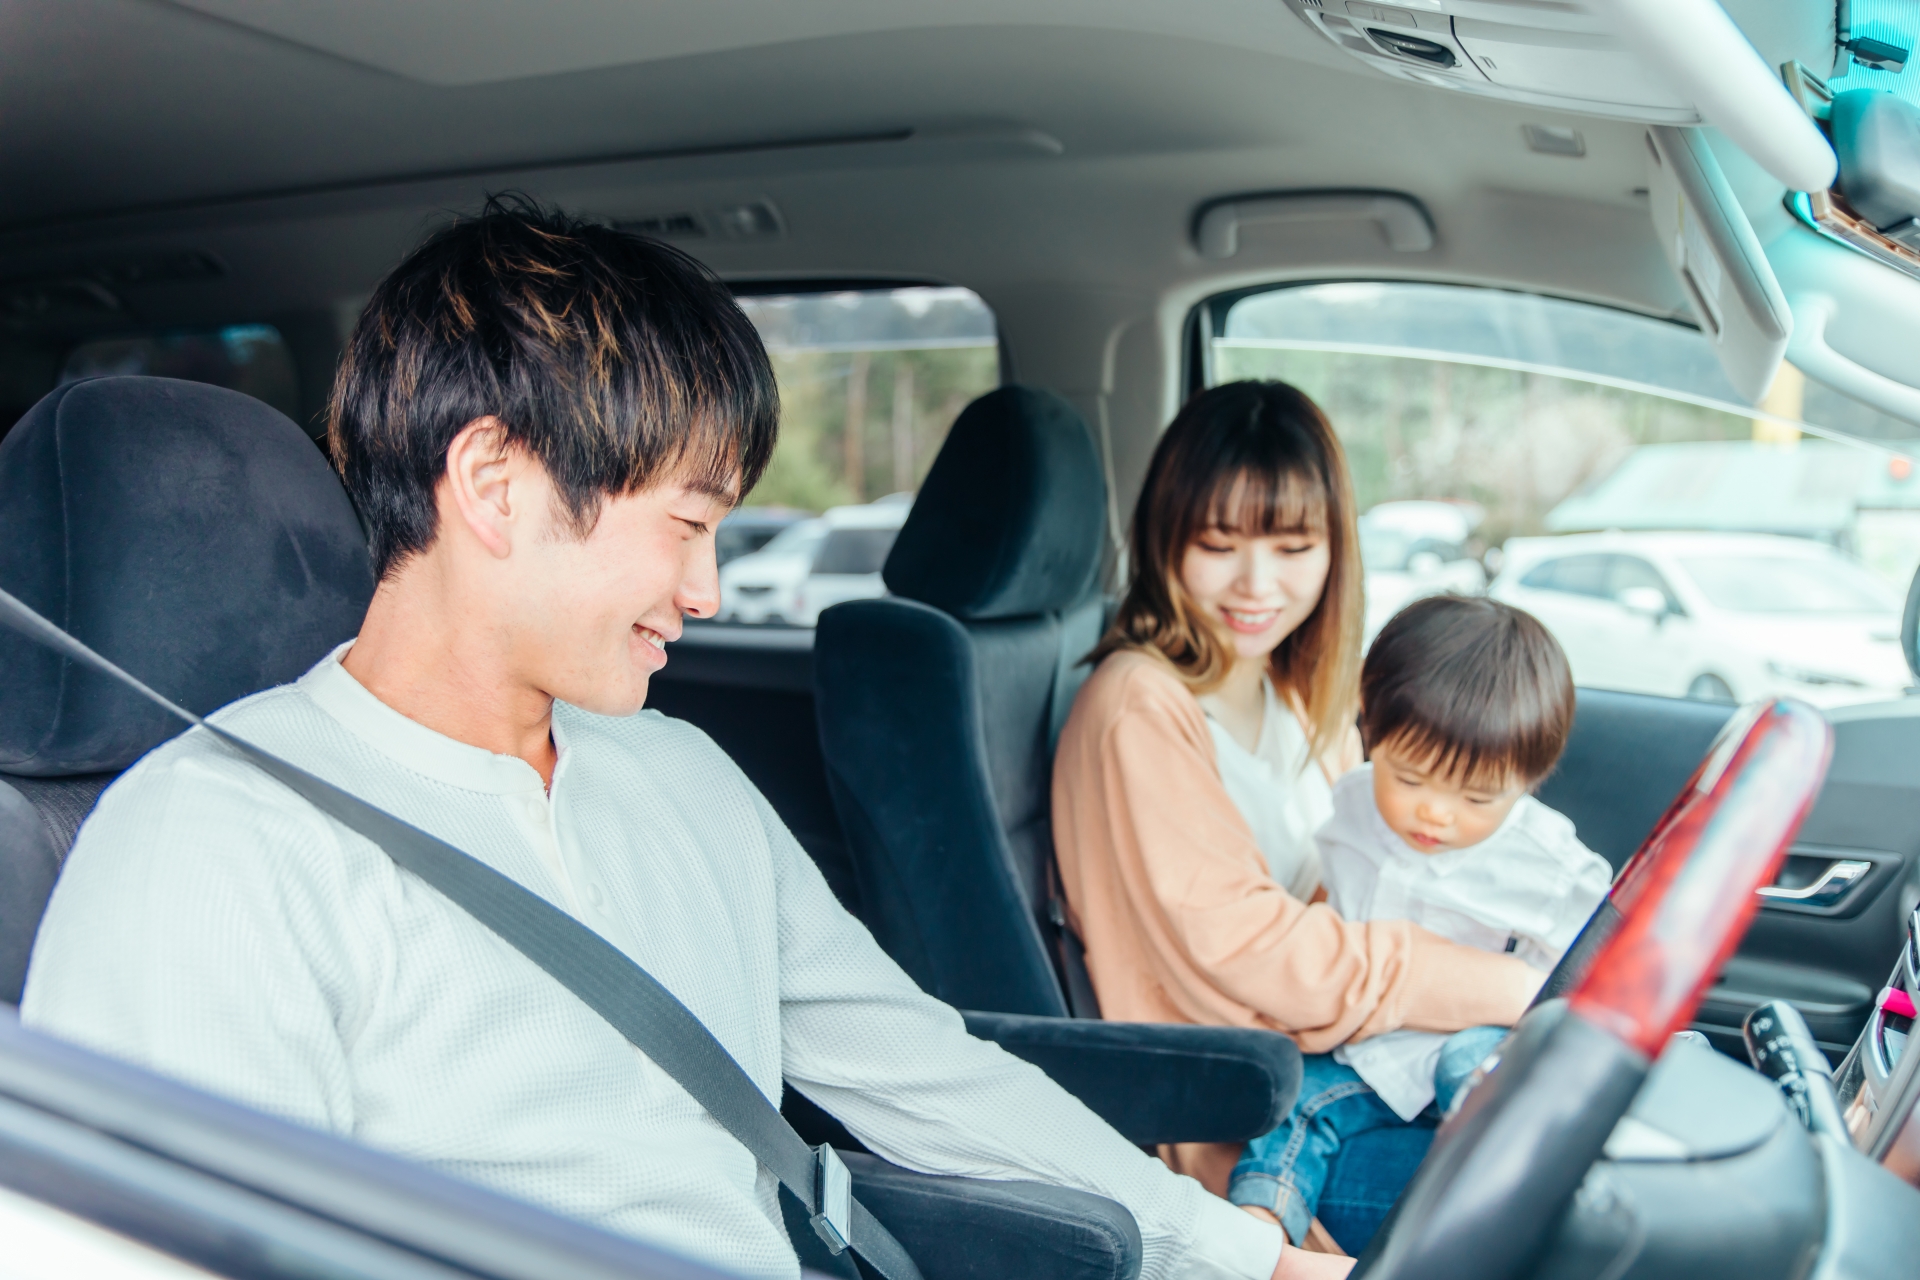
[(1505, 1165)]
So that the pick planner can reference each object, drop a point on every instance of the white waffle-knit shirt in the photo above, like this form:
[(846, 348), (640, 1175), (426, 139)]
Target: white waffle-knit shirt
[(213, 927), (1528, 888)]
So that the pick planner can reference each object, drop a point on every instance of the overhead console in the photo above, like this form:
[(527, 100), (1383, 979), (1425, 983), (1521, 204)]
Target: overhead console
[(1532, 51)]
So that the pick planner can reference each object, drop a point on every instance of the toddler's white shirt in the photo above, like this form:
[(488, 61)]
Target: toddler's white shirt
[(1528, 888)]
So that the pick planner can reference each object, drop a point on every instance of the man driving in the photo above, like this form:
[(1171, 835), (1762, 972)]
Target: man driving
[(541, 422)]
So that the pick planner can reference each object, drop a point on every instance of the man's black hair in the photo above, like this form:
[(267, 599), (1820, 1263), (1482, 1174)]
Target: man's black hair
[(1469, 687), (615, 360)]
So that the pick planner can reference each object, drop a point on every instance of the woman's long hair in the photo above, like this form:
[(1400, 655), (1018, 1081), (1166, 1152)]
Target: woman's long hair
[(1259, 458)]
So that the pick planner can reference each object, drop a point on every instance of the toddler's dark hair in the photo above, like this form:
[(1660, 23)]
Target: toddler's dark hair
[(1473, 688)]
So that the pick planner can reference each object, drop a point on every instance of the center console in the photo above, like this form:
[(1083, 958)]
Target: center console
[(1878, 1084)]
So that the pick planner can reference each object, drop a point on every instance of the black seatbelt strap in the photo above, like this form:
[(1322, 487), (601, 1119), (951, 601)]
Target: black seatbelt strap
[(593, 969)]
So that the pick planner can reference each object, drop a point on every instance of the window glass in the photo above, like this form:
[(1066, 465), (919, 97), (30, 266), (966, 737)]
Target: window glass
[(855, 550), (1575, 575), (1592, 451), (249, 357), (1776, 584), (1629, 572), (870, 383)]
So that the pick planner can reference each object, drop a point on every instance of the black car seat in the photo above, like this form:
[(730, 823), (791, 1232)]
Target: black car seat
[(189, 533), (939, 706)]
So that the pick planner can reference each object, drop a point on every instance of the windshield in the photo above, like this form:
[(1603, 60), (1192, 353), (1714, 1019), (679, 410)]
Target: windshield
[(1768, 584)]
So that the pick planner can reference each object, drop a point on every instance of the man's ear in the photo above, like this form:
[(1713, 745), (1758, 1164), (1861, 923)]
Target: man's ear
[(479, 486)]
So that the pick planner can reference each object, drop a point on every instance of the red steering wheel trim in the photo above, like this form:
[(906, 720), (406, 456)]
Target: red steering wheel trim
[(1688, 895)]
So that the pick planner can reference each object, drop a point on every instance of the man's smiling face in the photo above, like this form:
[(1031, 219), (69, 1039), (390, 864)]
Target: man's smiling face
[(601, 609)]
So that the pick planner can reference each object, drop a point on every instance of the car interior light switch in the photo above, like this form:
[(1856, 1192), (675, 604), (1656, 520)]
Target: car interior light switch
[(1379, 13)]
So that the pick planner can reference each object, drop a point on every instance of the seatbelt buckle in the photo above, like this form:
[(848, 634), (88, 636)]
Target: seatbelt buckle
[(833, 1193)]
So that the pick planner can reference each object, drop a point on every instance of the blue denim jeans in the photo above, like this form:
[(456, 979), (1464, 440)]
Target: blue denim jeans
[(1286, 1170)]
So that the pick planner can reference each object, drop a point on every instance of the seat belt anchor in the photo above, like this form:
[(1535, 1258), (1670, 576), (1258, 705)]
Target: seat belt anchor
[(833, 1193)]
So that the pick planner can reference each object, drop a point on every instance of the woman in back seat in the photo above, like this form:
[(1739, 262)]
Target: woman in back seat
[(1197, 762)]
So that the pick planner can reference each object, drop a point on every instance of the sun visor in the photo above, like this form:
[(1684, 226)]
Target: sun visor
[(1711, 247)]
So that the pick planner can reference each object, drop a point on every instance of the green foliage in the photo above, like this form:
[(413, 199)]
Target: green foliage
[(911, 398)]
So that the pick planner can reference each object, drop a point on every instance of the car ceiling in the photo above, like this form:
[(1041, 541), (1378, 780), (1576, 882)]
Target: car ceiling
[(1050, 154)]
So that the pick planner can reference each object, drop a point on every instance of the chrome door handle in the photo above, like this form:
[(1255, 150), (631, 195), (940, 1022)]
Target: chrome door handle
[(1831, 885)]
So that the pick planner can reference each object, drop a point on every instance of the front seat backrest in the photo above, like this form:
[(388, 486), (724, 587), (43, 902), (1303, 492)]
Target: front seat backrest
[(189, 533), (938, 707)]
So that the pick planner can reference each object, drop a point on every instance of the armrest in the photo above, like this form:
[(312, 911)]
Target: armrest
[(1158, 1082), (966, 1228)]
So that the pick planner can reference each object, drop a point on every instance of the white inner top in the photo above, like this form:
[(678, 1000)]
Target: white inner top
[(1278, 788), (1528, 888)]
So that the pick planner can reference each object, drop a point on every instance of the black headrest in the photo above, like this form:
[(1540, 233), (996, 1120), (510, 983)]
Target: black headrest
[(1011, 518), (189, 533)]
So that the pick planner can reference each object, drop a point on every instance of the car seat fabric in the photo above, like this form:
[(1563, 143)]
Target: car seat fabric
[(189, 533), (29, 864), (938, 707), (1010, 520)]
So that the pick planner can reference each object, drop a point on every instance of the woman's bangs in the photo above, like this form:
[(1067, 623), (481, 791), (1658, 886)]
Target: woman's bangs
[(1257, 503)]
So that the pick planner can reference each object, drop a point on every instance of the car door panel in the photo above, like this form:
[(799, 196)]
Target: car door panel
[(1629, 755)]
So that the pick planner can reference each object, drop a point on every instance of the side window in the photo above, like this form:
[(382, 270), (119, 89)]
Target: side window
[(1629, 572), (1579, 576), (855, 551), (870, 382), (1543, 577), (1580, 449), (250, 357)]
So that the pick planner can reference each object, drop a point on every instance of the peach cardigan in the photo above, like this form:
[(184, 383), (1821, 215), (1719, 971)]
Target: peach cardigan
[(1181, 921)]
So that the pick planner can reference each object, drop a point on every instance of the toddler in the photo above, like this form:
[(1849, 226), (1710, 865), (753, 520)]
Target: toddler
[(1465, 707)]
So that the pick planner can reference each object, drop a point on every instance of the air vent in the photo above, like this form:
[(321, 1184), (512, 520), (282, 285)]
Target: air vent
[(755, 220)]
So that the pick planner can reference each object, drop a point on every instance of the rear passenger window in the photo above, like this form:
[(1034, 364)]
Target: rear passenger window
[(251, 358), (870, 382)]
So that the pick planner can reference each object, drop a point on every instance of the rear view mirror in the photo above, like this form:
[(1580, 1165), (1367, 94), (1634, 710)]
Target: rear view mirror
[(1648, 602)]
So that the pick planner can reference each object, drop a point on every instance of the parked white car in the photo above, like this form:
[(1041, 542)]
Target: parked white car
[(850, 559), (764, 585), (1413, 549), (814, 564), (1716, 616)]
